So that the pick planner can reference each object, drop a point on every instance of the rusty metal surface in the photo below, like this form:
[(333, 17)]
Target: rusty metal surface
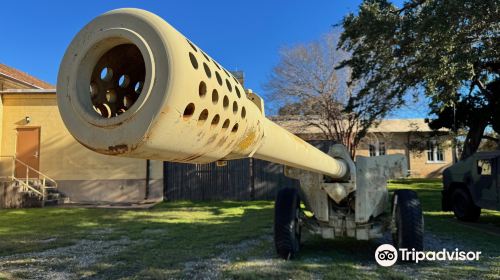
[(188, 109)]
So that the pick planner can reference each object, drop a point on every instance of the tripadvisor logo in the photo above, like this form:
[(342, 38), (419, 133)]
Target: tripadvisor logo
[(387, 255)]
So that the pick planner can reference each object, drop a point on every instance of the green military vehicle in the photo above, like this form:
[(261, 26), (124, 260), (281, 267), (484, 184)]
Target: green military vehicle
[(472, 184)]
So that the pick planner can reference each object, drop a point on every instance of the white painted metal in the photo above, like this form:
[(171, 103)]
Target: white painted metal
[(25, 183)]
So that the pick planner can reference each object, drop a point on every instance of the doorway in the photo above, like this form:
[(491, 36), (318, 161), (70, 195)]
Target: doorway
[(27, 151)]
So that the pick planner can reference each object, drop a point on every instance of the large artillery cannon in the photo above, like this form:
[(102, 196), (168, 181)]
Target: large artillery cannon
[(131, 85)]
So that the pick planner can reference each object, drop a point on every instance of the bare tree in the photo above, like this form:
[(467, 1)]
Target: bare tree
[(305, 83)]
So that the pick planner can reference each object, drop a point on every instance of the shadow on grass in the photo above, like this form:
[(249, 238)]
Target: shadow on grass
[(183, 239), (162, 238), (482, 235), (165, 239)]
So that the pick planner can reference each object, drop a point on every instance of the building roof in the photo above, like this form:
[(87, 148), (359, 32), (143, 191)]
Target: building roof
[(401, 125), (298, 125), (17, 79), (28, 91)]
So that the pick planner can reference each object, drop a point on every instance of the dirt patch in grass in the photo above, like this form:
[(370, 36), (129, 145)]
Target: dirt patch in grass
[(256, 259), (70, 262), (214, 267), (213, 240)]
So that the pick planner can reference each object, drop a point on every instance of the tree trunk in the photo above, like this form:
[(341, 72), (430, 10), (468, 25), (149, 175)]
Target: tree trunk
[(473, 138)]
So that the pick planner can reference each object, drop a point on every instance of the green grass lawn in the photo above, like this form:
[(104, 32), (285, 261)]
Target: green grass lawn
[(219, 240)]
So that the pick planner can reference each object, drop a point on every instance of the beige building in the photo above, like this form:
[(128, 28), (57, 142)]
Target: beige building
[(33, 132), (428, 152)]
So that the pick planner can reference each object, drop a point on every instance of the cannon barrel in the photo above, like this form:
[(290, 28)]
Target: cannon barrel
[(131, 85)]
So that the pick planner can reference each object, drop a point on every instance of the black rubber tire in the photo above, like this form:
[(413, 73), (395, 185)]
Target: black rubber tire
[(287, 229), (409, 221), (463, 207)]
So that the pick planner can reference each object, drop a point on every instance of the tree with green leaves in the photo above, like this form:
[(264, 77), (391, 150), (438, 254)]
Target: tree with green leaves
[(447, 49)]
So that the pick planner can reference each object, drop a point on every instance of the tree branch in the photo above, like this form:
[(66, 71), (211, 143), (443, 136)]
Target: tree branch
[(409, 6), (491, 138)]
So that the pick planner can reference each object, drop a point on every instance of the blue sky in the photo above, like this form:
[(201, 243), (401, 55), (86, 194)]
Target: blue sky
[(241, 35)]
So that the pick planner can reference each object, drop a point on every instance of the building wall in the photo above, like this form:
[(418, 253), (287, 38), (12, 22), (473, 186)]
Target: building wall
[(82, 174), (397, 143), (421, 168), (394, 143)]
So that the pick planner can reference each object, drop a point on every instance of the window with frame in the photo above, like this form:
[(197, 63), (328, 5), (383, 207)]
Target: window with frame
[(434, 152), (377, 149), (381, 148), (372, 150)]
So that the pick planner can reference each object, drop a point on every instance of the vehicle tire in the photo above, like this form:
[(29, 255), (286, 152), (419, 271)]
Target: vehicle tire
[(463, 207), (408, 220), (287, 228)]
